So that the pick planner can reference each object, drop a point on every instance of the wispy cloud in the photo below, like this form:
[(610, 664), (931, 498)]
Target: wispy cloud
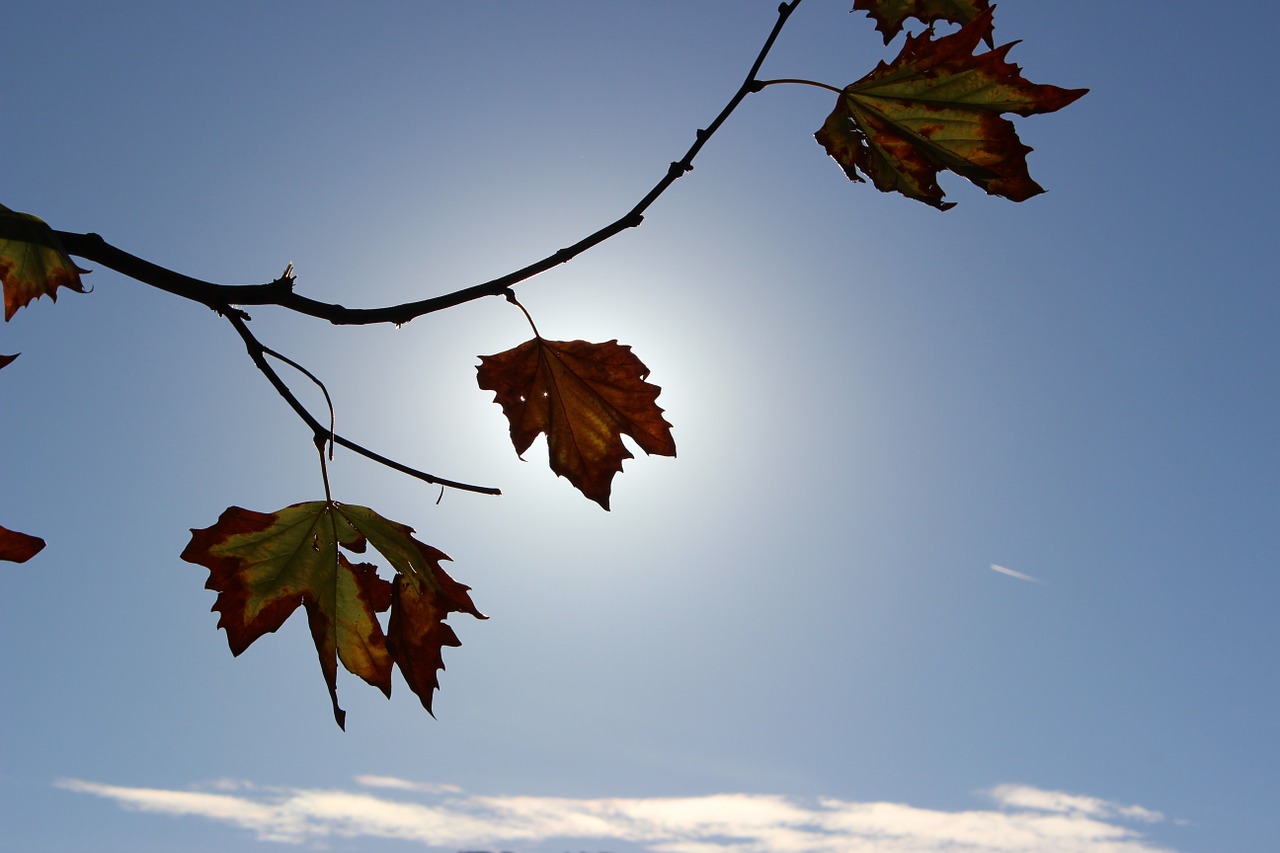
[(1026, 797), (370, 781), (1013, 574), (442, 816)]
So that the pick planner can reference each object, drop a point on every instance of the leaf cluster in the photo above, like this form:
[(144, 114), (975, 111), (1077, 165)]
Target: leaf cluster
[(938, 106)]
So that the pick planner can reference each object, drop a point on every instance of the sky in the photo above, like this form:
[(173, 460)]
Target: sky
[(971, 539)]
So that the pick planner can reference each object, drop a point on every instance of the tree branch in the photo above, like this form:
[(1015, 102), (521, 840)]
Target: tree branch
[(93, 248), (281, 293)]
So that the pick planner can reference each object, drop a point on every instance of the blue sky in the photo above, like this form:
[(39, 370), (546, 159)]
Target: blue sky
[(791, 636)]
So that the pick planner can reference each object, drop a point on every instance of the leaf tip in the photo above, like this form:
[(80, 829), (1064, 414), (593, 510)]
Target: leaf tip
[(18, 547)]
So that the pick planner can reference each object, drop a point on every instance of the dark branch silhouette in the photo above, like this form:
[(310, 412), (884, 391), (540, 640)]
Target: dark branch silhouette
[(281, 292), (229, 299)]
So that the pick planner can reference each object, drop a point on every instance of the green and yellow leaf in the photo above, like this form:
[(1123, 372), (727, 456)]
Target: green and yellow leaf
[(32, 261), (938, 107), (264, 565), (584, 397)]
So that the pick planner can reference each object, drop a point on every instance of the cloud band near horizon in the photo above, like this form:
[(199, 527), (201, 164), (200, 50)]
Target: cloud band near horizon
[(1022, 818)]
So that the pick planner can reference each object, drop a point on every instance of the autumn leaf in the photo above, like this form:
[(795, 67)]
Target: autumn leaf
[(584, 397), (422, 597), (264, 565), (938, 106), (18, 547), (890, 15), (417, 632), (32, 261)]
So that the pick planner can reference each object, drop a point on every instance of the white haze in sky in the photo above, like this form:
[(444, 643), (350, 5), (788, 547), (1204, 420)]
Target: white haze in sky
[(1021, 818)]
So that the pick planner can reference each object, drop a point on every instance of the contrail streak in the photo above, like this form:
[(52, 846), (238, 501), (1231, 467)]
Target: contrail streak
[(1011, 573)]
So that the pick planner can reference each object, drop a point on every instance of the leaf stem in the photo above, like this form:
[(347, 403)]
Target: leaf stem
[(511, 297), (324, 474), (800, 82)]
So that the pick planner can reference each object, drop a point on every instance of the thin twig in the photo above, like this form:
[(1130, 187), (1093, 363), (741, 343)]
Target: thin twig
[(323, 390), (257, 352)]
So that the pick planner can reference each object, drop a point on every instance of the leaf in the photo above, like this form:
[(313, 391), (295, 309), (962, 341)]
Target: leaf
[(263, 565), (585, 397), (938, 106), (890, 15), (417, 632), (32, 261), (18, 547), (422, 597)]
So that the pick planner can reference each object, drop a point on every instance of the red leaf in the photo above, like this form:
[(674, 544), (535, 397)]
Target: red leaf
[(417, 632), (584, 397), (18, 547)]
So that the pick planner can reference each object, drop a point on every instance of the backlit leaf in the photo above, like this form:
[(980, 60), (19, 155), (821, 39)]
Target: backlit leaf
[(890, 15), (422, 597), (938, 107), (18, 547), (417, 632), (32, 261), (264, 565), (584, 397)]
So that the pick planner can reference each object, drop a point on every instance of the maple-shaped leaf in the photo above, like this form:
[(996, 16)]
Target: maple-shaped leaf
[(32, 261), (938, 106), (264, 565), (890, 15), (585, 397), (18, 547)]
